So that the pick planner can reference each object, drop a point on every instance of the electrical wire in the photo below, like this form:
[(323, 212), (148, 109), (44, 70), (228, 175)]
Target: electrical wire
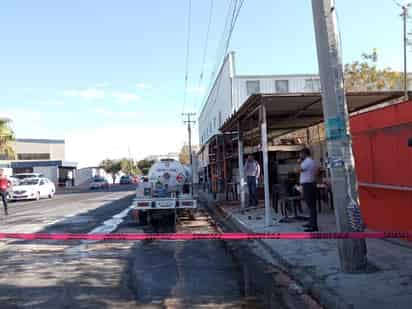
[(206, 43), (236, 10), (231, 18), (189, 22), (233, 24), (222, 41)]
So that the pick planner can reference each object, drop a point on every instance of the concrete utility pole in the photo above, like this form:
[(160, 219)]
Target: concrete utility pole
[(352, 252), (241, 168), (189, 130), (264, 141)]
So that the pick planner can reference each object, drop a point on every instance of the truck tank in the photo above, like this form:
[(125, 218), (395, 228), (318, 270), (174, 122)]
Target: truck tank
[(167, 176)]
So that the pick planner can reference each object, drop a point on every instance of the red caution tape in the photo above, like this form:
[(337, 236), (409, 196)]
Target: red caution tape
[(199, 236)]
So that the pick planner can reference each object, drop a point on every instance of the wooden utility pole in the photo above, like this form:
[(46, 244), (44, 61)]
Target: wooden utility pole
[(352, 252), (189, 122)]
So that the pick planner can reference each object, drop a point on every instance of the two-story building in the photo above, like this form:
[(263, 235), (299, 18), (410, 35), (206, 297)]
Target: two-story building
[(45, 156), (230, 91), (227, 94)]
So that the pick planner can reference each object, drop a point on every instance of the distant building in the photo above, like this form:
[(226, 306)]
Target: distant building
[(46, 156), (39, 149), (86, 174)]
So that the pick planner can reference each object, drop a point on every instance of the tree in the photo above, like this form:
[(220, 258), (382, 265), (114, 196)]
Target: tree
[(184, 156), (364, 75), (6, 137), (145, 165), (129, 166), (111, 167)]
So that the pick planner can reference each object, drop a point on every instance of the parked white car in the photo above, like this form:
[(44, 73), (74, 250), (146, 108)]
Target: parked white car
[(27, 175), (99, 183), (32, 189)]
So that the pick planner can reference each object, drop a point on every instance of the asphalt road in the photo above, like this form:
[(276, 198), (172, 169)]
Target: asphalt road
[(147, 274)]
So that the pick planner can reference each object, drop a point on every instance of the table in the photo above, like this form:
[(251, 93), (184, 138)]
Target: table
[(323, 191)]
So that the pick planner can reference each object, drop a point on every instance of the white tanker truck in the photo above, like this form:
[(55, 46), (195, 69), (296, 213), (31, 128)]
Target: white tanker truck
[(165, 192)]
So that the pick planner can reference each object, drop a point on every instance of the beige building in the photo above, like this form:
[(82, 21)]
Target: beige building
[(45, 156), (39, 149)]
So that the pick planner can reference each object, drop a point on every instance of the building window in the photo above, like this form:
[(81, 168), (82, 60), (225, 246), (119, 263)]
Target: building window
[(33, 156), (312, 85), (220, 118), (316, 85), (282, 86), (252, 87)]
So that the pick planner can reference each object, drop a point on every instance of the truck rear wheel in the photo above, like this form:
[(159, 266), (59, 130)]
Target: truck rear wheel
[(142, 217), (191, 213), (171, 220)]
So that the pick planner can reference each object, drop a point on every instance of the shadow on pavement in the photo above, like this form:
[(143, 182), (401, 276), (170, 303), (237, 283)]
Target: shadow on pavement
[(86, 189), (83, 222)]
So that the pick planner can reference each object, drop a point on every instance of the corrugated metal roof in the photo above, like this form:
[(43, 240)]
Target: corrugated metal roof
[(294, 111)]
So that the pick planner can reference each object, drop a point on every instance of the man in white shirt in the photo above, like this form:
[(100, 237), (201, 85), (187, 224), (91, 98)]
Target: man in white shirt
[(309, 170), (252, 173)]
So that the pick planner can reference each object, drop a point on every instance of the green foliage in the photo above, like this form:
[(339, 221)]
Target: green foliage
[(111, 166), (145, 165), (129, 166), (364, 75), (6, 137)]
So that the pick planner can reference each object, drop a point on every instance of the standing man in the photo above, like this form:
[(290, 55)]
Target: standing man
[(4, 187), (309, 170), (252, 173)]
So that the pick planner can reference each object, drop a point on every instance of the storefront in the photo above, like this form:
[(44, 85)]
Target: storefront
[(263, 118), (59, 172)]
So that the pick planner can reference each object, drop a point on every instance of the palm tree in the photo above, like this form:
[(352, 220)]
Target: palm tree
[(6, 137)]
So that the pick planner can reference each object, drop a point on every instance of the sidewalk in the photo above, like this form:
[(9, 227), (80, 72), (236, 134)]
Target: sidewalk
[(315, 264)]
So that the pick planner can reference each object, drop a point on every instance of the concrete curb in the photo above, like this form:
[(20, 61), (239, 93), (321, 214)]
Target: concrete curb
[(323, 294)]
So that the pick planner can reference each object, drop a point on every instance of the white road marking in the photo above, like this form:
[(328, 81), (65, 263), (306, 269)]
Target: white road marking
[(107, 227)]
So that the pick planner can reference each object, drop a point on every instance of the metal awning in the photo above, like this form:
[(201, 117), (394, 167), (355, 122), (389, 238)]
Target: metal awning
[(294, 111), (42, 163)]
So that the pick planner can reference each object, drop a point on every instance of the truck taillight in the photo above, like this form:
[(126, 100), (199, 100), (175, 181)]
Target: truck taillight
[(180, 178), (143, 204)]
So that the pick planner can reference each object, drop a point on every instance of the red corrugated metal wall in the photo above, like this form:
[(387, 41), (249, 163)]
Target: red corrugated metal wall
[(382, 155)]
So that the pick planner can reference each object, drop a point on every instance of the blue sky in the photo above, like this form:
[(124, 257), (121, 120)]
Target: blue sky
[(109, 75)]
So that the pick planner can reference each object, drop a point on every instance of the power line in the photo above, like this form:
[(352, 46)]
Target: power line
[(220, 48), (206, 43), (205, 50), (235, 14), (221, 43), (231, 23), (189, 22)]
